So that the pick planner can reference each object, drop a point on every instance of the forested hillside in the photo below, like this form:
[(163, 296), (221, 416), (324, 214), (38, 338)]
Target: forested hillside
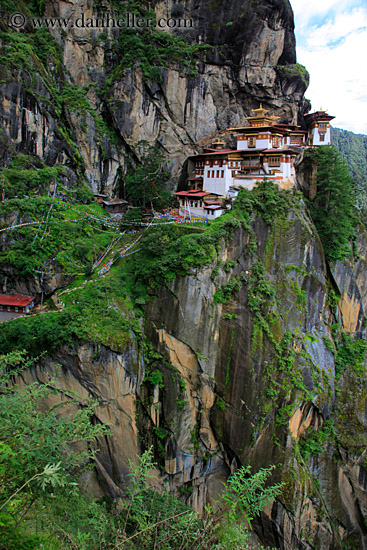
[(353, 149)]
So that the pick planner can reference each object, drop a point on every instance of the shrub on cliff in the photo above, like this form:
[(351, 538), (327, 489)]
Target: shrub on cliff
[(38, 458)]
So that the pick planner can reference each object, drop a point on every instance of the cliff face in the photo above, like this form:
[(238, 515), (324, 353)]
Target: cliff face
[(254, 368), (65, 102), (268, 389), (259, 374), (41, 115)]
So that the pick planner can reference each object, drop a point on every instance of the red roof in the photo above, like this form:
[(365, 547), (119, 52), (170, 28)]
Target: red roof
[(194, 194), (197, 194), (15, 300), (209, 207), (281, 151), (220, 152), (216, 152)]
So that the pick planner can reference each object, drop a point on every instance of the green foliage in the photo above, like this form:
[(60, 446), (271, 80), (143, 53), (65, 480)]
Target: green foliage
[(151, 520), (228, 266), (100, 313), (292, 71), (281, 374), (267, 199), (27, 175), (353, 149), (332, 298), (33, 246), (74, 98), (332, 209), (329, 344), (226, 292), (155, 378), (247, 495), (145, 183), (260, 293), (166, 252), (314, 442), (220, 403), (152, 49), (350, 355), (35, 447), (28, 57), (37, 494)]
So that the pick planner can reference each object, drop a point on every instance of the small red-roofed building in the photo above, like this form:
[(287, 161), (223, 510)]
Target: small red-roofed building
[(16, 303), (193, 203)]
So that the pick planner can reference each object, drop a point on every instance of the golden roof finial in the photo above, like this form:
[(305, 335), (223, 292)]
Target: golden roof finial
[(260, 111)]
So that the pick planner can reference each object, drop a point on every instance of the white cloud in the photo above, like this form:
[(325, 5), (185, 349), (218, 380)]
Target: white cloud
[(333, 40), (339, 80), (304, 10), (338, 29)]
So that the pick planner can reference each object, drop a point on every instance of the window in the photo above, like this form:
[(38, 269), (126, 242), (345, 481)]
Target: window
[(218, 173), (16, 309), (251, 142), (276, 141), (222, 173), (296, 140), (322, 137), (9, 308), (274, 161), (1, 308)]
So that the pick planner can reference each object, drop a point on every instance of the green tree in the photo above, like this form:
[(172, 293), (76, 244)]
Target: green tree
[(145, 183), (37, 447), (332, 209)]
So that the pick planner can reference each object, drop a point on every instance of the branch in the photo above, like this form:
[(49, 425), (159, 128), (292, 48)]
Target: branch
[(153, 526)]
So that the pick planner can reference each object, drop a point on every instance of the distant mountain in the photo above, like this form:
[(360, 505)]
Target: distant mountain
[(353, 148)]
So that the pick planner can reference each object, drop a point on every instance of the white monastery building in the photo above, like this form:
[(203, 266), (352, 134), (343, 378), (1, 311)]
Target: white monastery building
[(266, 149)]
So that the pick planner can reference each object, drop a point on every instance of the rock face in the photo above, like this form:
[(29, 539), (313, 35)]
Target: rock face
[(266, 396), (251, 43), (64, 104), (255, 378), (113, 380)]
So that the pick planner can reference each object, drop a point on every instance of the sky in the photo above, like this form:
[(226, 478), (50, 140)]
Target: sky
[(331, 38)]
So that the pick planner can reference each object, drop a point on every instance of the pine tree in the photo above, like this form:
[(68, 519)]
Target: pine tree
[(145, 183), (333, 210)]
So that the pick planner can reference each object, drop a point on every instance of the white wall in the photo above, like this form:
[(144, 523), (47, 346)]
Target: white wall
[(316, 137)]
